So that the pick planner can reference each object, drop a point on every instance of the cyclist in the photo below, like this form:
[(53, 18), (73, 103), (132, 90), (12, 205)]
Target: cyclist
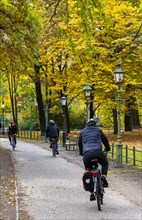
[(52, 131), (90, 147), (12, 130)]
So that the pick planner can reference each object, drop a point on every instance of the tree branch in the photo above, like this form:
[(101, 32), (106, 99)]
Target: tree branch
[(55, 10)]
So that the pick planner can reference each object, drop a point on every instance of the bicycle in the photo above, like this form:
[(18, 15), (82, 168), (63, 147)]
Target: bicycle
[(98, 183), (54, 146), (13, 137)]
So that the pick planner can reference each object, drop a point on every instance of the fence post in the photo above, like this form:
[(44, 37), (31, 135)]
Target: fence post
[(134, 156), (126, 154)]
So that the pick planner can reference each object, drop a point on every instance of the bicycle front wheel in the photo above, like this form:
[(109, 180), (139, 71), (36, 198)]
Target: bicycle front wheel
[(98, 193), (13, 143), (54, 150)]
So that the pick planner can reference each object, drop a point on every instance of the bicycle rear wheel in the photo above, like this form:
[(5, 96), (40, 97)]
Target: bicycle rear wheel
[(98, 193)]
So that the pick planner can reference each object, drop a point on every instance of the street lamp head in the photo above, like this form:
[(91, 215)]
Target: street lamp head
[(118, 74), (2, 105), (87, 91), (63, 101)]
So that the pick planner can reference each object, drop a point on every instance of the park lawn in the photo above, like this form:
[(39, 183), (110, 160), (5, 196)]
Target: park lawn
[(131, 139)]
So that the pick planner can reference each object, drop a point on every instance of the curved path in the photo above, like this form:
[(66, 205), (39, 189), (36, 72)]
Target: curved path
[(51, 188)]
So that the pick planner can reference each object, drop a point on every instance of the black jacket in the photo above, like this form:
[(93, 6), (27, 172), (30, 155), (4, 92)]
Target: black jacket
[(52, 130), (91, 138), (12, 129)]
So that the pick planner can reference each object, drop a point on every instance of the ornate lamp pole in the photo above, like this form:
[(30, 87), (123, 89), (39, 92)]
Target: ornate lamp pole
[(63, 103), (119, 76), (87, 94)]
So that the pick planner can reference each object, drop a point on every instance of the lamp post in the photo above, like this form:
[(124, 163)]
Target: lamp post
[(63, 103), (31, 101), (87, 94), (3, 106), (119, 76)]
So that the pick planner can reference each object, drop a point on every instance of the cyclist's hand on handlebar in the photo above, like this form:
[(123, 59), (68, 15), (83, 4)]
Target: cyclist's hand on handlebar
[(105, 152)]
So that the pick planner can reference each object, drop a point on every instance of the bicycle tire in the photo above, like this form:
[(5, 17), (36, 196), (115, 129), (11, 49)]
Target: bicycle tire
[(54, 150), (98, 193), (102, 198), (13, 143), (102, 193)]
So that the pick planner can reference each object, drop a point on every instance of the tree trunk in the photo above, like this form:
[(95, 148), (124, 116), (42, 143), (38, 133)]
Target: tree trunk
[(135, 119), (91, 107), (128, 121), (130, 101), (128, 117), (67, 120), (41, 108), (115, 127)]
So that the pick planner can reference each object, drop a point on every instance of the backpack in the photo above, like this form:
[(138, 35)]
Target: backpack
[(87, 180)]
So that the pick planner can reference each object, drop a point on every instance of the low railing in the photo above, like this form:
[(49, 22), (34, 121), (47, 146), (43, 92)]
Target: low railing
[(36, 135), (129, 155)]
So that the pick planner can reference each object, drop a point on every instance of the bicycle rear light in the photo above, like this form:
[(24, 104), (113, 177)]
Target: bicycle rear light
[(94, 173)]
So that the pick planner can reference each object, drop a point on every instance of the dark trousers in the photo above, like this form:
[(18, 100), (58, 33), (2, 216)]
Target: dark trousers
[(102, 160)]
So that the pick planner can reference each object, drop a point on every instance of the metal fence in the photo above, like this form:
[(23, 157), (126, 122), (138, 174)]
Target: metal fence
[(129, 155), (36, 135)]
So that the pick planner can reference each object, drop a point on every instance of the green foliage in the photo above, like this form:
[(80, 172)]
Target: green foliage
[(73, 43), (77, 116)]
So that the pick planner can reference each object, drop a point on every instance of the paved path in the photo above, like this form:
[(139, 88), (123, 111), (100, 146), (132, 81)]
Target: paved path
[(52, 189)]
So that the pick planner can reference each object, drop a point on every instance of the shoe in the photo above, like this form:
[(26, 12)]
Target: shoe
[(50, 146), (57, 152), (105, 183), (92, 197)]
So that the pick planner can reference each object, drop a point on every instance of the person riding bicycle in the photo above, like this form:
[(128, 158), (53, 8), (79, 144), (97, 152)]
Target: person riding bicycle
[(12, 130), (90, 147), (52, 131)]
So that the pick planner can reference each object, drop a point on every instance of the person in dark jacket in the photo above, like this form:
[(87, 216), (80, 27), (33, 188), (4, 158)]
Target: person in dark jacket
[(52, 131), (12, 130), (90, 147)]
